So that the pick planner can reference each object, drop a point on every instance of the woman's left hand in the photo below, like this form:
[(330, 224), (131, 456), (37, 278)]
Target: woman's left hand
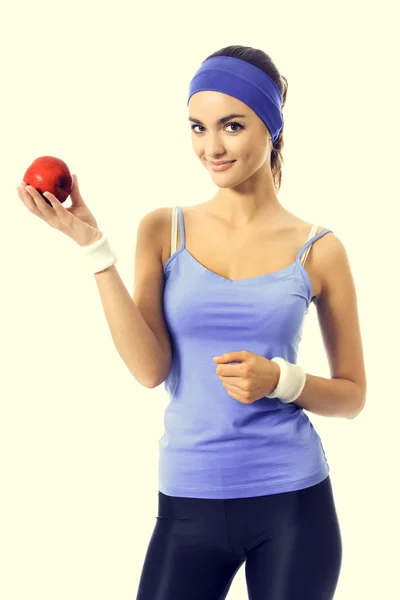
[(253, 378)]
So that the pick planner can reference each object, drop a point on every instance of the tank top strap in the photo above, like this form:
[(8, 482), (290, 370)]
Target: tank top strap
[(311, 238), (177, 212)]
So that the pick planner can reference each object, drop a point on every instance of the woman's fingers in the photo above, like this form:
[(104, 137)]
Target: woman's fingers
[(38, 206), (28, 201)]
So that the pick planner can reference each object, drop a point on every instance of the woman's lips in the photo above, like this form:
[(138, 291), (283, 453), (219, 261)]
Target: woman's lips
[(222, 167)]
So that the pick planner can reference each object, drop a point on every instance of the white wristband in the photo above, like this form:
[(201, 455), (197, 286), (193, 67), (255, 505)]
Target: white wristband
[(291, 382), (99, 255)]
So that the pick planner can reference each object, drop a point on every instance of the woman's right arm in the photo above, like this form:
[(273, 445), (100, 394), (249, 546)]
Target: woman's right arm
[(137, 324)]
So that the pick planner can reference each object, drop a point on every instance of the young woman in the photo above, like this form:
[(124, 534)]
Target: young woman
[(217, 316)]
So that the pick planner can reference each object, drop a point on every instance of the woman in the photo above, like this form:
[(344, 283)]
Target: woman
[(243, 476)]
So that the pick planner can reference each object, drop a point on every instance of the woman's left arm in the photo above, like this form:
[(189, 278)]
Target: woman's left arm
[(344, 394)]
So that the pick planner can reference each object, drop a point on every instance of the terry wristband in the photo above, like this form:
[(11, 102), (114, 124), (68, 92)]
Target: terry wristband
[(291, 382), (99, 255)]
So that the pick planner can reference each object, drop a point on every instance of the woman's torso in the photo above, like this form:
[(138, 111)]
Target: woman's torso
[(227, 290)]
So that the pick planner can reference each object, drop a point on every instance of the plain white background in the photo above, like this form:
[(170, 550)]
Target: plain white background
[(104, 87)]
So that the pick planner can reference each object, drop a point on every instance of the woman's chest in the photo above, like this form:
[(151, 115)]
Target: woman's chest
[(252, 253)]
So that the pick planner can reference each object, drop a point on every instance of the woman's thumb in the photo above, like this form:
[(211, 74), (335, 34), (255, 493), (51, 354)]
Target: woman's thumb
[(75, 192)]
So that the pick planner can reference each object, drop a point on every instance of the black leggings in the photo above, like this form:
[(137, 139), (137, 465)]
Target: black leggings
[(290, 543)]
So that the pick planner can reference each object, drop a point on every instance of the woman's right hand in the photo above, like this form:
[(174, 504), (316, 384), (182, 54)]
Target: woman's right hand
[(76, 221)]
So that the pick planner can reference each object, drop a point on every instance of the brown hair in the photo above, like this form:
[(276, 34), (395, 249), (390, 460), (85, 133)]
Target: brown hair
[(259, 59)]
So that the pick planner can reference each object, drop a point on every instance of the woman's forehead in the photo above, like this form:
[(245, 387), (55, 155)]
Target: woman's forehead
[(213, 105)]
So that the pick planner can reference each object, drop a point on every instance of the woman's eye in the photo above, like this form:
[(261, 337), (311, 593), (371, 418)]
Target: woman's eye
[(194, 126), (231, 124)]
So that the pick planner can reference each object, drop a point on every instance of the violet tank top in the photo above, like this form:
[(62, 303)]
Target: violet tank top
[(214, 446)]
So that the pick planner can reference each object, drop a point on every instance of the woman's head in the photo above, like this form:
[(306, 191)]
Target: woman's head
[(245, 140)]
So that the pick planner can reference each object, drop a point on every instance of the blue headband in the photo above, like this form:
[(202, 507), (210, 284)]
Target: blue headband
[(245, 82)]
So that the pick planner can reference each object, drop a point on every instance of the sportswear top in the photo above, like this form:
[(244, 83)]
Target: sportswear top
[(214, 446)]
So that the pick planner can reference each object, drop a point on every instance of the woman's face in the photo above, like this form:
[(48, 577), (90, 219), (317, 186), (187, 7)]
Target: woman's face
[(245, 139)]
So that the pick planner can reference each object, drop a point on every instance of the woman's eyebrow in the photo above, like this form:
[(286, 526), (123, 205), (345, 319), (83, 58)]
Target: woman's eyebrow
[(220, 121)]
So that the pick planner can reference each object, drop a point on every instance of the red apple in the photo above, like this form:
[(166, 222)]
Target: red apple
[(49, 174)]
